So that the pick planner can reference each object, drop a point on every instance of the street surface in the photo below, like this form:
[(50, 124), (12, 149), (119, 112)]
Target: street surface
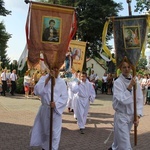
[(17, 116)]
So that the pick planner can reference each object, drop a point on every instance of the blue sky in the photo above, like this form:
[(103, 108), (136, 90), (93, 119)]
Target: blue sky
[(15, 24)]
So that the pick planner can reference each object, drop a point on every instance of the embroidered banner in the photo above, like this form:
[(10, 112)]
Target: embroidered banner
[(49, 29), (129, 37), (78, 54)]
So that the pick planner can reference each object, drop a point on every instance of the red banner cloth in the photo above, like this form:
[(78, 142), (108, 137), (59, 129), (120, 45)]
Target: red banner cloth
[(49, 29)]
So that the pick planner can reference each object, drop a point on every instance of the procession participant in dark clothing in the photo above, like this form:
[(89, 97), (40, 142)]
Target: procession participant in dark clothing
[(4, 82), (13, 78)]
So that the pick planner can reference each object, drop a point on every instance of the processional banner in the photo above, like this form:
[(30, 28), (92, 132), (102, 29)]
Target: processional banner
[(130, 37), (78, 54), (49, 29)]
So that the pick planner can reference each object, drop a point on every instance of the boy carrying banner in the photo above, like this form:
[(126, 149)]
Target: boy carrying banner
[(123, 105)]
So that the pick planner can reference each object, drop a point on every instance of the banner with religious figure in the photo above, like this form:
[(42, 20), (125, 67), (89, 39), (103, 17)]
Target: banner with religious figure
[(49, 29), (129, 37), (78, 54)]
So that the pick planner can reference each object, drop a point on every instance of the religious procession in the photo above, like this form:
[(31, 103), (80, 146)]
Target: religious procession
[(62, 68)]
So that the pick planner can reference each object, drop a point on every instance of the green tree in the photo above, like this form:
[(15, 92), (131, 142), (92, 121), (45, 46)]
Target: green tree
[(49, 1), (142, 5), (4, 37), (141, 64), (3, 11)]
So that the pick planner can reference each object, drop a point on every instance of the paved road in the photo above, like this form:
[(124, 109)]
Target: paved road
[(17, 115)]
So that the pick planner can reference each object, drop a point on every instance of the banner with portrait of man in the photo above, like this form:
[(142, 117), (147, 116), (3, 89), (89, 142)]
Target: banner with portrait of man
[(49, 30), (78, 54)]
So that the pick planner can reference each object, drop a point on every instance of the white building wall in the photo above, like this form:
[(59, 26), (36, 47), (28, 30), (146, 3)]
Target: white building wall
[(98, 69)]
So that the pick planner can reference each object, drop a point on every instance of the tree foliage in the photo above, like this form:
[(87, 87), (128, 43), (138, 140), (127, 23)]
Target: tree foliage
[(4, 37), (92, 16), (3, 11), (49, 1), (142, 5), (142, 64)]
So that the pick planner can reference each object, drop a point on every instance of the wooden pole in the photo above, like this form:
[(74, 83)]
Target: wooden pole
[(51, 110), (51, 114), (135, 109), (134, 87), (129, 7)]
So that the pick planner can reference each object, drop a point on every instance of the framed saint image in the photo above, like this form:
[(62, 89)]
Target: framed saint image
[(51, 29), (131, 37), (76, 54)]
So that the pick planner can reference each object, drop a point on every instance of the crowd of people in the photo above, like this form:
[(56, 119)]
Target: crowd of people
[(76, 93), (108, 79), (144, 81), (8, 82), (105, 84)]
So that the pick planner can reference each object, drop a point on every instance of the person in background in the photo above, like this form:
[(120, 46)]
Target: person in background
[(96, 82), (8, 73), (85, 94), (92, 76), (104, 83), (140, 77), (70, 95), (1, 90), (26, 82), (109, 83), (76, 76), (41, 128), (70, 82), (4, 82), (148, 90), (13, 79), (144, 85), (123, 104)]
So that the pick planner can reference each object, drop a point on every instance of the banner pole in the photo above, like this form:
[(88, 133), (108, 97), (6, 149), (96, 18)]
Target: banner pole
[(134, 87), (135, 109), (51, 115), (129, 7)]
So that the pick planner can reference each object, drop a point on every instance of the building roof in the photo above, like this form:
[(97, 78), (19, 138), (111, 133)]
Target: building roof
[(101, 64)]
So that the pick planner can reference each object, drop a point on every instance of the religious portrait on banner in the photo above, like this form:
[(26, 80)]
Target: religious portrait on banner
[(77, 49), (131, 37), (76, 54), (51, 29)]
